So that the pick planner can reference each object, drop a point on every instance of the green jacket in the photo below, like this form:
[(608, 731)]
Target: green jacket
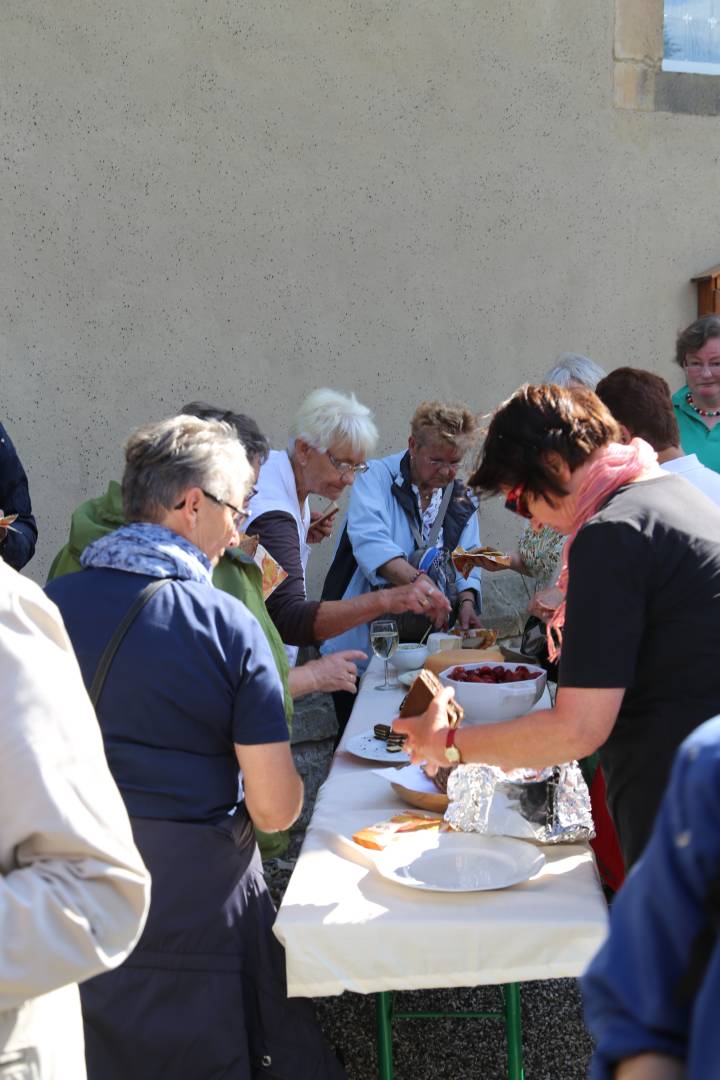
[(236, 573)]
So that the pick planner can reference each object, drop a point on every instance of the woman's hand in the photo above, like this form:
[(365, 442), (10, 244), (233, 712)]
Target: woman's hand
[(336, 671), (467, 616), (495, 567), (321, 525), (421, 597), (426, 734), (545, 603)]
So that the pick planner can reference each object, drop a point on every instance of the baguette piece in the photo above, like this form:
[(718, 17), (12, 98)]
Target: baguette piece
[(425, 687), (478, 637)]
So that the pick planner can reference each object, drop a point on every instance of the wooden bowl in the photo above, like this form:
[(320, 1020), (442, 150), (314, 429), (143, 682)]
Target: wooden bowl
[(436, 802)]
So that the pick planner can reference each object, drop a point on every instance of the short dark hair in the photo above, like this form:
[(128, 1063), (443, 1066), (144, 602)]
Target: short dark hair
[(537, 419), (641, 401), (694, 336), (256, 445)]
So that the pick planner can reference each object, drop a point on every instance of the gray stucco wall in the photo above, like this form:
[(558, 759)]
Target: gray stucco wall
[(242, 201)]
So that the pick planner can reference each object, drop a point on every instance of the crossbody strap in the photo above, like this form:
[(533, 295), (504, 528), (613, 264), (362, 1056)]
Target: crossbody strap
[(437, 523), (114, 643), (442, 511)]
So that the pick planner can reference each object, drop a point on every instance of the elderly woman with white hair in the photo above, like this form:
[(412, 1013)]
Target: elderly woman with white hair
[(330, 439), (187, 693)]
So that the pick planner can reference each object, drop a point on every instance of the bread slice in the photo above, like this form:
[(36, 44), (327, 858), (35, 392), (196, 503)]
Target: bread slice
[(425, 687), (466, 561), (379, 836)]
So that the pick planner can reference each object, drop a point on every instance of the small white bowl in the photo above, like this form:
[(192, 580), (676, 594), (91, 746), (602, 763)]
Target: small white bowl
[(409, 656), (490, 703)]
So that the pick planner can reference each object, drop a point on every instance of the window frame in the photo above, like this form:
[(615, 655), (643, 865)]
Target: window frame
[(640, 81)]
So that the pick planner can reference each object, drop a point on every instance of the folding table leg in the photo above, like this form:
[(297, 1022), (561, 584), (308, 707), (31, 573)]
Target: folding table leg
[(513, 1028), (383, 1016)]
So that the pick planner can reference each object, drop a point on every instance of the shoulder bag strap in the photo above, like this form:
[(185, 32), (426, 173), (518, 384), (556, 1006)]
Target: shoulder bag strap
[(114, 643), (442, 511)]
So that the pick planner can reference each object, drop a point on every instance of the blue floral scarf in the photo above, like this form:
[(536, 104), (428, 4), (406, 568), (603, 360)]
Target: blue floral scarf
[(143, 548)]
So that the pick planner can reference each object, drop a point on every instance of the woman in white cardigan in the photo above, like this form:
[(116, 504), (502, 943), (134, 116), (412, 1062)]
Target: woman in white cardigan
[(73, 888)]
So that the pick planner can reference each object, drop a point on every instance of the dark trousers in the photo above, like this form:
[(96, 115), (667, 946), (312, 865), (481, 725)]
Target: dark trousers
[(343, 701)]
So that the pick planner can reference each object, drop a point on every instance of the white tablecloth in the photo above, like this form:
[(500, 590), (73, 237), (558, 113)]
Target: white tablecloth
[(346, 928)]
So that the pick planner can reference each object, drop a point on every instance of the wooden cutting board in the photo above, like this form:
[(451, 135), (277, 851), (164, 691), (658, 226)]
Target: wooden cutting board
[(454, 657)]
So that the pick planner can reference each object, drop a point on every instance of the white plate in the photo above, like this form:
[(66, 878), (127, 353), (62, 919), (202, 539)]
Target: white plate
[(365, 745), (458, 862), (408, 677)]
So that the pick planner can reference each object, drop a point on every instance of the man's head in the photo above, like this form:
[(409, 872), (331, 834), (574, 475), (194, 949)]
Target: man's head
[(641, 403)]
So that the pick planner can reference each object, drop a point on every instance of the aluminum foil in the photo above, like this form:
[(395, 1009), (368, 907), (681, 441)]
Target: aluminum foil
[(550, 806)]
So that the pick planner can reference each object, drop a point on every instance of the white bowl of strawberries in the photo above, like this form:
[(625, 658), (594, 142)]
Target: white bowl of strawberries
[(492, 691)]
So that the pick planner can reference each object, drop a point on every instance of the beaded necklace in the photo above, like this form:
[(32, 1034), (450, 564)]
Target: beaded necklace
[(698, 410)]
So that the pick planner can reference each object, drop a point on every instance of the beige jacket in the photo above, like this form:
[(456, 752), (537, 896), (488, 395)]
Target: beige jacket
[(73, 889)]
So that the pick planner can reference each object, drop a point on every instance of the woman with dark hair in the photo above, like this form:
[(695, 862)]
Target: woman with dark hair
[(639, 625), (697, 404)]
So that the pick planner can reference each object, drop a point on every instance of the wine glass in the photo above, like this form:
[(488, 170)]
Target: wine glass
[(384, 639)]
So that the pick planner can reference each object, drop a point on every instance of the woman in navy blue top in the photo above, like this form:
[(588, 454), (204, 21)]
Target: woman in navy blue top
[(193, 721)]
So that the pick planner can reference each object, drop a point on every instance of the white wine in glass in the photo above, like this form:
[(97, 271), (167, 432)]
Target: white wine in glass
[(384, 639)]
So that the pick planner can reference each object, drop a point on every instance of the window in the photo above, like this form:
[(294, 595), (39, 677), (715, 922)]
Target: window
[(667, 56), (691, 36)]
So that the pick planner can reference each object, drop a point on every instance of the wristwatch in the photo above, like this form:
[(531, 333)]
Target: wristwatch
[(452, 752)]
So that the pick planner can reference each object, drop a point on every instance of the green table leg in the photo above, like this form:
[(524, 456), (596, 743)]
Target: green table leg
[(383, 1016), (513, 1027)]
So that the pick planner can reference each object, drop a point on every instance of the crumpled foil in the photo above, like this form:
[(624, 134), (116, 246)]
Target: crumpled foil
[(550, 806)]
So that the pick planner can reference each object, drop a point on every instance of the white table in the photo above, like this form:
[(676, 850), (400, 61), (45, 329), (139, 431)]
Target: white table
[(346, 928)]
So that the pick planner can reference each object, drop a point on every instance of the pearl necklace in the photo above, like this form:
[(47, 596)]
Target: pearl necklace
[(698, 410)]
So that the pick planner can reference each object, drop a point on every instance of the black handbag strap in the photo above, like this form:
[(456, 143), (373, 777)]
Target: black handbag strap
[(114, 643)]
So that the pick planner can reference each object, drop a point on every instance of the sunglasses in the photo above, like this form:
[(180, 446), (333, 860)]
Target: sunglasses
[(516, 502)]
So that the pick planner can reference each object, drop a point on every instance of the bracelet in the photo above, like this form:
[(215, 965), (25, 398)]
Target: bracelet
[(467, 600)]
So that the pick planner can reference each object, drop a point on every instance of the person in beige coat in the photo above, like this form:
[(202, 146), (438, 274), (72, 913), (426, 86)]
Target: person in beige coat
[(73, 889)]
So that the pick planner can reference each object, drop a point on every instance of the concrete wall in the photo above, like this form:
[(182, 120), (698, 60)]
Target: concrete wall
[(242, 201)]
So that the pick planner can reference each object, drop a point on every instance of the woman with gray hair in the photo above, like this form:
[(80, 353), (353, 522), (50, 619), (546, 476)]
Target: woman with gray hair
[(187, 693), (331, 437), (572, 370)]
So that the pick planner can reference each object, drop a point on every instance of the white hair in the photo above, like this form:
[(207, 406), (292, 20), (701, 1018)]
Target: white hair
[(571, 367), (327, 418), (164, 459)]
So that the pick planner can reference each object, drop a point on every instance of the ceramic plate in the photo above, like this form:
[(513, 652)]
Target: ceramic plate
[(365, 745), (408, 677), (458, 862)]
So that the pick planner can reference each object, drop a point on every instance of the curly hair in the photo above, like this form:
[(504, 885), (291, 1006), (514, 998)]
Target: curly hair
[(453, 423), (537, 419)]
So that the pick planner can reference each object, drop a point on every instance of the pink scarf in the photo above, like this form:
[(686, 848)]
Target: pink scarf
[(614, 466)]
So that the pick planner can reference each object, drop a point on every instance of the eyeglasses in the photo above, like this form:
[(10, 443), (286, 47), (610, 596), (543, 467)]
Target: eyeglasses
[(516, 502), (440, 463), (346, 466), (238, 515), (696, 366)]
